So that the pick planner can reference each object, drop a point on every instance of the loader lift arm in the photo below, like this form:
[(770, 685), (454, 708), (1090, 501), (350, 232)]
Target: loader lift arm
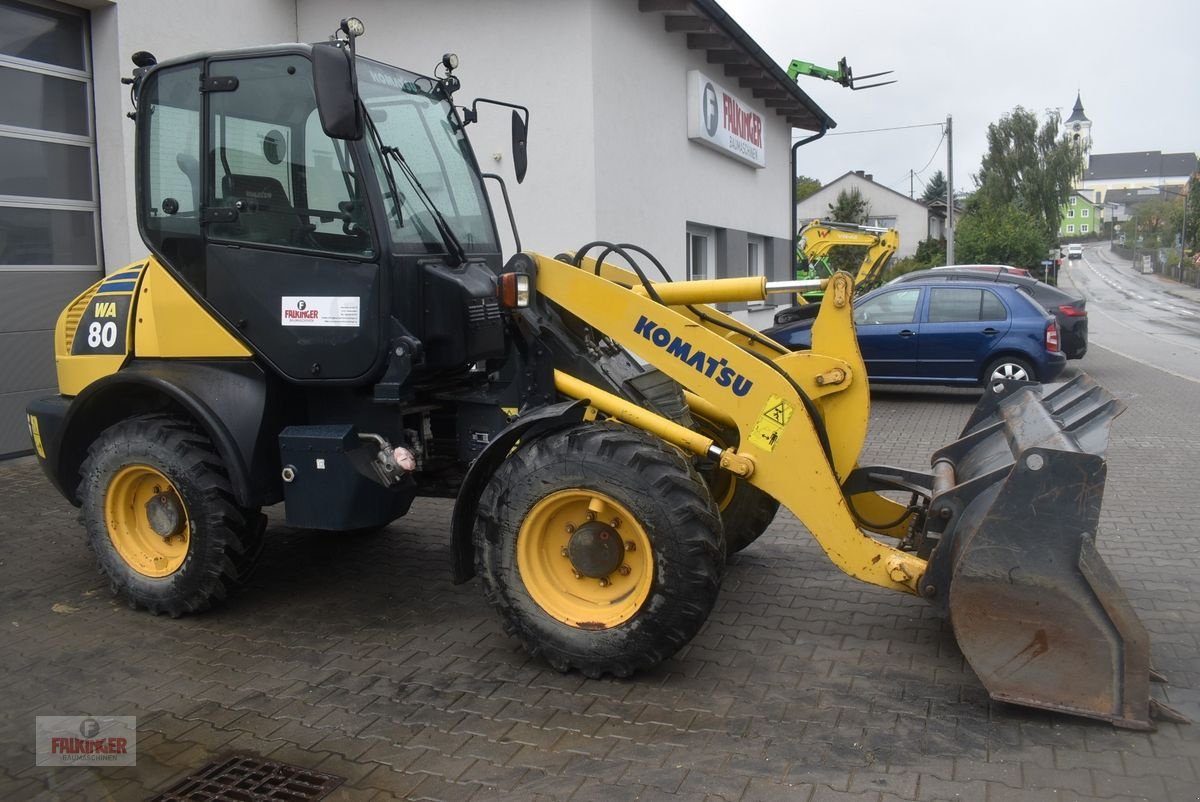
[(1007, 553)]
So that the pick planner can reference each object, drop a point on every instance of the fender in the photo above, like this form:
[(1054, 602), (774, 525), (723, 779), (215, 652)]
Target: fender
[(462, 524), (227, 399)]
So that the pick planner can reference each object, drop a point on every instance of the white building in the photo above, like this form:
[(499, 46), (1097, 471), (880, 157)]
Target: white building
[(628, 99), (912, 219)]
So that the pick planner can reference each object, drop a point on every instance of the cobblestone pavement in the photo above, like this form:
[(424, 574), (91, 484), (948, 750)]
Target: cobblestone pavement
[(357, 656)]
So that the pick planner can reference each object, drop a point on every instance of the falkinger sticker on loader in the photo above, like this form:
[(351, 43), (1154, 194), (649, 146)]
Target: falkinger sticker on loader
[(326, 320)]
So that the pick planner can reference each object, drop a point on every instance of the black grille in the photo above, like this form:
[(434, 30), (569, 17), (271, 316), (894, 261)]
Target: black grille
[(483, 310), (250, 779)]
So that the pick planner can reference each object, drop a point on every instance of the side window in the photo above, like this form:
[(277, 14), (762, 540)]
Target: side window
[(275, 177), (954, 305), (963, 305), (898, 306), (171, 183), (993, 308)]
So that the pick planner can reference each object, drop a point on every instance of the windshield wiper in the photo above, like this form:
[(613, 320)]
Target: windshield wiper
[(453, 246), (393, 190)]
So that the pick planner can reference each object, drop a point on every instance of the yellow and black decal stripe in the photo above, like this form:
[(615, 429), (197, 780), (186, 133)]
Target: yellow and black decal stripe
[(103, 329)]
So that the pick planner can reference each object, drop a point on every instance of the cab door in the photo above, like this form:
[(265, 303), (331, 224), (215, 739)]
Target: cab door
[(290, 259)]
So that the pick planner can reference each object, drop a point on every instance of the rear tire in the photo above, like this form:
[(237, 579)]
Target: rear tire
[(164, 461), (598, 616), (1009, 368)]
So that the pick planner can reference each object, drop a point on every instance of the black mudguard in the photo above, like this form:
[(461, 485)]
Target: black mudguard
[(228, 399), (462, 525)]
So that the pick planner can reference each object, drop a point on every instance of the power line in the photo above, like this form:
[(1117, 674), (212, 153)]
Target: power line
[(935, 153), (874, 130)]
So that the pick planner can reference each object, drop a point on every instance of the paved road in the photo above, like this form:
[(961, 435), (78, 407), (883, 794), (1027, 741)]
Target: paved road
[(358, 657), (1145, 317)]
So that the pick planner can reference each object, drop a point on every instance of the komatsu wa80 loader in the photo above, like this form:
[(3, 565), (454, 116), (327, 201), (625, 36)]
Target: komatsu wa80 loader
[(325, 319)]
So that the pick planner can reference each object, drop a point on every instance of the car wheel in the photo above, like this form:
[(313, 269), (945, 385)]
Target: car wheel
[(1009, 368)]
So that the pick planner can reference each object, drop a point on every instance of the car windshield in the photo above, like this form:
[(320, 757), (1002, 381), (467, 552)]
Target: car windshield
[(412, 116)]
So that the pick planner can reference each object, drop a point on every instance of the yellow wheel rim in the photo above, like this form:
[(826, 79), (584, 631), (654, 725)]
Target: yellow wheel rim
[(552, 558), (125, 512)]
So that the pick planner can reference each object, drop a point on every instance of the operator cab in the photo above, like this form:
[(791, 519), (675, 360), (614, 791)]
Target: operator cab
[(324, 206)]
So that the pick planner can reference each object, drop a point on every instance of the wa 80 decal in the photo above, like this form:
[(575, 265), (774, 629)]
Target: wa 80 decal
[(716, 369)]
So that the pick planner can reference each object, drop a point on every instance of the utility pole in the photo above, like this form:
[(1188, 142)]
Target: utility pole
[(949, 190), (910, 184)]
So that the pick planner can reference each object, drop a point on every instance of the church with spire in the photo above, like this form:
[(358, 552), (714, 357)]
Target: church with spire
[(1114, 181), (1078, 127)]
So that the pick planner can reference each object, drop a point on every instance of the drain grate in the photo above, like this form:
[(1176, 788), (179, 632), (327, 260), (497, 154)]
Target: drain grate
[(251, 779)]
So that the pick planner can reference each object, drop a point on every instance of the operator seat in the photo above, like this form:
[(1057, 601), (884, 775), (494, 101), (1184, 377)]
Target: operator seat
[(268, 215)]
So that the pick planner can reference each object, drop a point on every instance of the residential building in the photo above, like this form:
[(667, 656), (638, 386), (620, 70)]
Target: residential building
[(1081, 217), (912, 219), (636, 147)]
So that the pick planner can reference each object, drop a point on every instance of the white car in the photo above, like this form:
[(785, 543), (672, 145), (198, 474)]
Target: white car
[(1075, 251)]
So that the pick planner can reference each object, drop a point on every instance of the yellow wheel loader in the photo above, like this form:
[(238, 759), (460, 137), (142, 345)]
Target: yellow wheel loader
[(816, 243), (325, 319)]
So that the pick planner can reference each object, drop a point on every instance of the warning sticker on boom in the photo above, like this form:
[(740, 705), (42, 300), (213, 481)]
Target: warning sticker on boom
[(771, 423), (320, 310)]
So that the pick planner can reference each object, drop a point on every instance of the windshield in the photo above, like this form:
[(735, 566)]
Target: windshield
[(415, 119)]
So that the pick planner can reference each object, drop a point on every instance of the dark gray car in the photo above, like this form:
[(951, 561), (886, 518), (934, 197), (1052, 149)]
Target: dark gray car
[(1069, 310)]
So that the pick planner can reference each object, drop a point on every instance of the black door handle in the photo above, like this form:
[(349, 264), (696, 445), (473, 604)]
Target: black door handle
[(907, 332), (989, 331)]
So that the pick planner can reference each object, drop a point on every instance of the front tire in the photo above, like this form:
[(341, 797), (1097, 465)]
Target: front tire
[(161, 517), (600, 547)]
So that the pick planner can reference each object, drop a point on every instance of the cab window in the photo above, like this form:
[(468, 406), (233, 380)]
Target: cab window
[(275, 179)]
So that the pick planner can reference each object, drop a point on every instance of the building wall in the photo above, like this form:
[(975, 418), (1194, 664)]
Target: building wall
[(537, 53), (649, 178), (912, 218)]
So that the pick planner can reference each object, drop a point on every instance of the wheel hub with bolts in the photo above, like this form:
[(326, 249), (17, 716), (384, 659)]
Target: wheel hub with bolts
[(164, 513), (585, 559), (596, 550)]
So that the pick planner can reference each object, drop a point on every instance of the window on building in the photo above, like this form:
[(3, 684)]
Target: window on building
[(882, 222), (701, 243), (1070, 228), (1084, 212), (1083, 229), (1073, 200), (48, 196), (1070, 212), (754, 261)]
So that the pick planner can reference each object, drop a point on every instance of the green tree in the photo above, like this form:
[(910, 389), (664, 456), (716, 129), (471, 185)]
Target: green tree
[(1030, 167), (999, 234), (850, 207), (1191, 233), (806, 186), (935, 190)]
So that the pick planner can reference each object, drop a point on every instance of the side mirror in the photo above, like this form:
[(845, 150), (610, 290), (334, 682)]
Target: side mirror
[(337, 91), (520, 137)]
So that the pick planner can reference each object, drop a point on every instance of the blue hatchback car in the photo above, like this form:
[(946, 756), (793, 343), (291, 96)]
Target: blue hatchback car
[(965, 333)]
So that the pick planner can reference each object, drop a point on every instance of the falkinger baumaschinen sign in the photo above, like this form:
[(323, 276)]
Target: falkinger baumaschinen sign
[(722, 122)]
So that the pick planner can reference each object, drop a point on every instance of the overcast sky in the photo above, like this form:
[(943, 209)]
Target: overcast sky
[(1135, 64)]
